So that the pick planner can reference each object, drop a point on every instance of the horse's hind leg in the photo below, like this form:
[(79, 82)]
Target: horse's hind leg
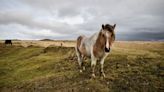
[(80, 59), (82, 63)]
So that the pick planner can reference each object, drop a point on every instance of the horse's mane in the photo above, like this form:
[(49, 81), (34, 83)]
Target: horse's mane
[(113, 36), (111, 29)]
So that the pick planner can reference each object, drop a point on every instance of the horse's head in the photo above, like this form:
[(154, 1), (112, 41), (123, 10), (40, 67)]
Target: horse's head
[(108, 32)]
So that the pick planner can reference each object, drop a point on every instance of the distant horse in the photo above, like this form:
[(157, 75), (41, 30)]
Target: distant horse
[(97, 47), (8, 42)]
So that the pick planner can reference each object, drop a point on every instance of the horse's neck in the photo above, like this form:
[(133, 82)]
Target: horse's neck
[(100, 41), (94, 37)]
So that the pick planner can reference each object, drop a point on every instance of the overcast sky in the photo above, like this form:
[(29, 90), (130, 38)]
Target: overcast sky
[(67, 19)]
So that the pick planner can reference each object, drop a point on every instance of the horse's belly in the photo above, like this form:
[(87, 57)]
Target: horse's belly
[(85, 50), (86, 53), (88, 50)]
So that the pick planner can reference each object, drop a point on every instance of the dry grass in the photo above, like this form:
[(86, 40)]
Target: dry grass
[(51, 43), (43, 66)]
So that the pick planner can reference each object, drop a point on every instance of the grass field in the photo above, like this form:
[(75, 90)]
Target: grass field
[(130, 67)]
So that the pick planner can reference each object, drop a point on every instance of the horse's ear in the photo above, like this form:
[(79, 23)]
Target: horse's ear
[(114, 26), (103, 26)]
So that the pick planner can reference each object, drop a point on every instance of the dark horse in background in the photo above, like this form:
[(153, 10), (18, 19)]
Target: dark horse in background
[(8, 42), (96, 47)]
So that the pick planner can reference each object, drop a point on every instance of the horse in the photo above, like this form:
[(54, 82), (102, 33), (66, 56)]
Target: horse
[(96, 47), (8, 42)]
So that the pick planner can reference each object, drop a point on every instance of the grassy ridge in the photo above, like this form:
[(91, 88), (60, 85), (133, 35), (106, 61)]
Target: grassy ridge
[(127, 68)]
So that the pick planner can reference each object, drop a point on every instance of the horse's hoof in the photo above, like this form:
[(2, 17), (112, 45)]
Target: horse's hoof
[(103, 75), (83, 68), (81, 71), (93, 76)]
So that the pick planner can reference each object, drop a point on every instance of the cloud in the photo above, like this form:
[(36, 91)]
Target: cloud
[(62, 19)]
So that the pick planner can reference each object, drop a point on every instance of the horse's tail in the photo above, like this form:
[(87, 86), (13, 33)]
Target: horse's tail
[(79, 39), (78, 53), (78, 43)]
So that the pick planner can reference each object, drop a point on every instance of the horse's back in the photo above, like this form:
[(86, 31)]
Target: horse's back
[(85, 44)]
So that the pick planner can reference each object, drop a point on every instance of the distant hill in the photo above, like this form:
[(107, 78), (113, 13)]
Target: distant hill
[(46, 40)]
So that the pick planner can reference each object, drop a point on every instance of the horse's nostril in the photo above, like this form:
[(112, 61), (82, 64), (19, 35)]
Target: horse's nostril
[(107, 49)]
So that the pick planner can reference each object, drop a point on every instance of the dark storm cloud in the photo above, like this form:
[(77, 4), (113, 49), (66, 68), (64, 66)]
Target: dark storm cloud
[(63, 19)]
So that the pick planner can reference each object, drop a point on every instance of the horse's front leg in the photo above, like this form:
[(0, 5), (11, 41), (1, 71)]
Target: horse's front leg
[(102, 68), (93, 65)]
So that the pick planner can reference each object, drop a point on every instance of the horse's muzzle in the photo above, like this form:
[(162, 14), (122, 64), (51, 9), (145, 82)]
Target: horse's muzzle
[(107, 50)]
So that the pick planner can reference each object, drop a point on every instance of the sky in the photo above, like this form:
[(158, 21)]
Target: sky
[(67, 19)]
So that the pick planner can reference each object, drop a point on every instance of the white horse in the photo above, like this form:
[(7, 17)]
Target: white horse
[(97, 47)]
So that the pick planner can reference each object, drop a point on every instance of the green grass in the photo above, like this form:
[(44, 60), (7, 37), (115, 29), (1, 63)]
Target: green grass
[(38, 69)]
